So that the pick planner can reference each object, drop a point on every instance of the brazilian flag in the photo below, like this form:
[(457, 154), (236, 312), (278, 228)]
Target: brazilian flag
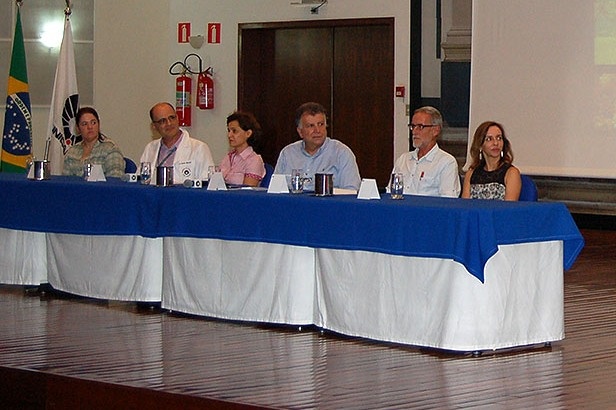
[(17, 134)]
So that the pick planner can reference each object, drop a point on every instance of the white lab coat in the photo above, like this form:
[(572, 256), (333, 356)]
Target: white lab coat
[(189, 150)]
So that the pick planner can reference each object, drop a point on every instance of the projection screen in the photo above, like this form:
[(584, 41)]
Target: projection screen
[(546, 70)]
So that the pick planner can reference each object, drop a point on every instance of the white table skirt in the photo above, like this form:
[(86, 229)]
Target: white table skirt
[(437, 303), (235, 280), (23, 258), (127, 268), (418, 301)]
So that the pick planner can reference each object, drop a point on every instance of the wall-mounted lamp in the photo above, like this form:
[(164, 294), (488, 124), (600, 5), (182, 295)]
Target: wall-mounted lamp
[(52, 33), (314, 5), (196, 41)]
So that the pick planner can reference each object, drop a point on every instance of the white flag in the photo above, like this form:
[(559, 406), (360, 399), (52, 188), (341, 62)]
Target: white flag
[(64, 105)]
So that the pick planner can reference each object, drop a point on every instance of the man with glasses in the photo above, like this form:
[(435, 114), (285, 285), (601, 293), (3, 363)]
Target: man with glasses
[(189, 157), (316, 152), (428, 170)]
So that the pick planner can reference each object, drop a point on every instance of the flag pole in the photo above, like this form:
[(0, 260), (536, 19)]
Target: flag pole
[(67, 13)]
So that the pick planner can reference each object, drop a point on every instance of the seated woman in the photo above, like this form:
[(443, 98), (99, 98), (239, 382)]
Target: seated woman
[(491, 174), (242, 165), (94, 148)]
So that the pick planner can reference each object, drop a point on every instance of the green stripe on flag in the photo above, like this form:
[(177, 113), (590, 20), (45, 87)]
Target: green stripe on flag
[(18, 58)]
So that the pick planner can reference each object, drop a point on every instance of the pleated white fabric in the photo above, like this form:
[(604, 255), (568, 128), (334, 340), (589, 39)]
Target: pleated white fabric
[(251, 281), (437, 303), (23, 259), (125, 268)]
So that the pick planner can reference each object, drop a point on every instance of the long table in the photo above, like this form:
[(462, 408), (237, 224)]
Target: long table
[(373, 268)]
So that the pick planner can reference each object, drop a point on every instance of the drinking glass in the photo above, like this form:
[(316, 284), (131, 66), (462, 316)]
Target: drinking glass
[(145, 172), (397, 186), (297, 181)]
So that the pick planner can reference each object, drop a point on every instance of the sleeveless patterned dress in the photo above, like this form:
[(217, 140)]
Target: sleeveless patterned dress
[(489, 184)]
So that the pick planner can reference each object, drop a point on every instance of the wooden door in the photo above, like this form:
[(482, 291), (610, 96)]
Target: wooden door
[(363, 101), (346, 65)]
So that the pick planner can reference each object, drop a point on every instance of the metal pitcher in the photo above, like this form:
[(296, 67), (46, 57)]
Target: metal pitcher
[(39, 170), (323, 184), (164, 176)]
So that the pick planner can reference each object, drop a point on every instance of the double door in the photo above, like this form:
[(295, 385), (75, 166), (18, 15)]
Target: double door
[(346, 65)]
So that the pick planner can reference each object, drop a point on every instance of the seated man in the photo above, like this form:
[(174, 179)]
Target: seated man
[(189, 157), (316, 152), (428, 170)]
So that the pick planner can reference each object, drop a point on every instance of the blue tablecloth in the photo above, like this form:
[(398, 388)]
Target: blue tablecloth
[(467, 231)]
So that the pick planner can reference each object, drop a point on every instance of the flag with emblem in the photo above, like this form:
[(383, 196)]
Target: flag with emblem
[(17, 134), (61, 130)]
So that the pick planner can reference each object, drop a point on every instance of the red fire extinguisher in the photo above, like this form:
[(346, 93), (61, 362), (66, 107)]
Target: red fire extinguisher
[(205, 90), (183, 87)]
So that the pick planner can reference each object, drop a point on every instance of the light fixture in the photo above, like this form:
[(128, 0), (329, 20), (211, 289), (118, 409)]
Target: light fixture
[(196, 41), (52, 33), (314, 5)]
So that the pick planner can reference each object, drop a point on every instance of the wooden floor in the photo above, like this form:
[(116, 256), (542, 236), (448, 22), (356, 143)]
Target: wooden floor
[(59, 352)]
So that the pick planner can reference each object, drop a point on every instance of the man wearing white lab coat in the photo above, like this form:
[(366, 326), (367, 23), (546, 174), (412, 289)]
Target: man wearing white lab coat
[(189, 157)]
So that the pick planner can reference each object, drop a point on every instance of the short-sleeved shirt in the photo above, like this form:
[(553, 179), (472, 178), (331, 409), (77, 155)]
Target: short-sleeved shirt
[(235, 166), (434, 174)]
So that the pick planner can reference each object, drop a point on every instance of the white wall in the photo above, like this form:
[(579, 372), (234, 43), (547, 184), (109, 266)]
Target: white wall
[(211, 125), (130, 73), (131, 49), (136, 42)]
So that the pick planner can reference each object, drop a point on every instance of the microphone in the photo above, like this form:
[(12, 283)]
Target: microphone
[(193, 183)]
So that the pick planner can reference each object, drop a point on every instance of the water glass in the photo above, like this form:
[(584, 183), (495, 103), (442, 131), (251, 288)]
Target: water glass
[(297, 181), (145, 172), (397, 186)]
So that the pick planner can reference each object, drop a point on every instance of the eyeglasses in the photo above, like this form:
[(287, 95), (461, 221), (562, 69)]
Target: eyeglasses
[(163, 121), (420, 127)]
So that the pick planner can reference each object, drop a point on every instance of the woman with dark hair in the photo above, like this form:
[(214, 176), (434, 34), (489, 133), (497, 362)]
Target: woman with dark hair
[(491, 174), (242, 165), (94, 148)]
